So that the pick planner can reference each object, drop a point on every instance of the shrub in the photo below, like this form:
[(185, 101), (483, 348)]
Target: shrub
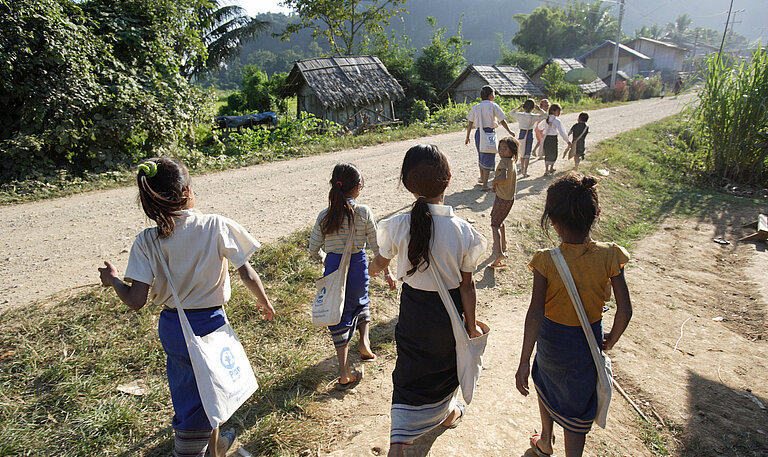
[(524, 60), (419, 111), (620, 91)]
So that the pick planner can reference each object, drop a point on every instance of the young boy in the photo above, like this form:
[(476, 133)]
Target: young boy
[(579, 132), (488, 115), (527, 121)]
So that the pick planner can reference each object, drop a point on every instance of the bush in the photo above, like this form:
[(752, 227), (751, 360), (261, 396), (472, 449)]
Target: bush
[(620, 91), (419, 111), (259, 93), (524, 60)]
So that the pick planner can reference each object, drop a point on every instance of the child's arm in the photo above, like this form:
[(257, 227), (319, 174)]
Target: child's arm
[(469, 301), (378, 264), (134, 295), (252, 281), (623, 311), (500, 176), (533, 320), (469, 130), (506, 126)]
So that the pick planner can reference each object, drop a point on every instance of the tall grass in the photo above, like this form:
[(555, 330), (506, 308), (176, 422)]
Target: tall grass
[(732, 119)]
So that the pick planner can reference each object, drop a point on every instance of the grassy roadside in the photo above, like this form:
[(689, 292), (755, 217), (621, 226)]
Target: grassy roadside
[(63, 183)]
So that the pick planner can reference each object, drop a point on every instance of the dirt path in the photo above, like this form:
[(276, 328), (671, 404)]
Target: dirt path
[(54, 245)]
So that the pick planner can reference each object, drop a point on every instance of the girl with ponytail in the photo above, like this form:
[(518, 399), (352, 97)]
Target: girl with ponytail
[(196, 247), (327, 242), (430, 236), (563, 370)]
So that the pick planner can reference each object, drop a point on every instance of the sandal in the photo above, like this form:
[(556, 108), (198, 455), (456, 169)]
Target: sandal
[(365, 358), (230, 436), (535, 438), (456, 421), (341, 386)]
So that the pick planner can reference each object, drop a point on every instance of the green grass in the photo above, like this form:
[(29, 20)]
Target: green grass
[(60, 365)]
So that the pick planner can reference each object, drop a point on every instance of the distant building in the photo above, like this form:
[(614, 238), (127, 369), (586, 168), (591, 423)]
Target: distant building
[(600, 59), (567, 65), (665, 56), (353, 91), (506, 80)]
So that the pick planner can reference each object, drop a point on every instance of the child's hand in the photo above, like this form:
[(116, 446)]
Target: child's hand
[(466, 141), (107, 273), (390, 280), (266, 310), (473, 331), (608, 342), (521, 378)]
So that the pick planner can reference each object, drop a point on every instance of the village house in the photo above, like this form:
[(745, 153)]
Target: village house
[(567, 65), (665, 56), (353, 91), (600, 59), (506, 80)]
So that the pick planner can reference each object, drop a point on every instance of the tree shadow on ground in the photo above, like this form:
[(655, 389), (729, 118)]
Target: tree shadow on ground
[(723, 421)]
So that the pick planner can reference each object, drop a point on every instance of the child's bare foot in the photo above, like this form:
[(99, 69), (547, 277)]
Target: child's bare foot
[(541, 448), (485, 188), (366, 355), (455, 416)]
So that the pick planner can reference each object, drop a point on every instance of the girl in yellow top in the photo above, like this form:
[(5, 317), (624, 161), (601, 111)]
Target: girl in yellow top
[(564, 373)]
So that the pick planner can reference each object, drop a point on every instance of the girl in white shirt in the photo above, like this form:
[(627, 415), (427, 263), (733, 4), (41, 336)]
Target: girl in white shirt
[(196, 247), (425, 378), (552, 127)]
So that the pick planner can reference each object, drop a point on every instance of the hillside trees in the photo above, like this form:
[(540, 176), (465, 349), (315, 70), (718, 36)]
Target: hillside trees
[(92, 85), (441, 62)]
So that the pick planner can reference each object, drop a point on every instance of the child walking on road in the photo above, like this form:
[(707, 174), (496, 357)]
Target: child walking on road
[(579, 131), (504, 184), (551, 127), (527, 121), (486, 115), (431, 236), (196, 247), (330, 234), (538, 131), (564, 373)]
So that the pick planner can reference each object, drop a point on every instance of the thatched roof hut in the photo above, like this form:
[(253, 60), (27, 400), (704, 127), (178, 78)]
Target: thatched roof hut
[(506, 80), (353, 91), (567, 65)]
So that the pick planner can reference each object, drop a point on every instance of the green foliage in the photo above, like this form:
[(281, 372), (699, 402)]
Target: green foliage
[(552, 31), (440, 62), (259, 94), (639, 88), (306, 128), (554, 79), (94, 85), (341, 22), (419, 111), (524, 60), (731, 119)]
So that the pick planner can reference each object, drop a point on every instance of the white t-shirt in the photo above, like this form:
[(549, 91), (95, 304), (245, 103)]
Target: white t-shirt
[(554, 127), (527, 121), (456, 246), (196, 254), (489, 112)]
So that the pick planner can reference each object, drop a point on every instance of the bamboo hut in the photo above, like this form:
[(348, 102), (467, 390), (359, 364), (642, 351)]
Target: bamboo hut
[(567, 65), (354, 91), (506, 80)]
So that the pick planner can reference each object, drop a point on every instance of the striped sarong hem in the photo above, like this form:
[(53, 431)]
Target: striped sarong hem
[(190, 443), (570, 424), (410, 422), (342, 336)]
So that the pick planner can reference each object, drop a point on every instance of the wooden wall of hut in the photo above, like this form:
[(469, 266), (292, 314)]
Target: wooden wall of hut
[(469, 89)]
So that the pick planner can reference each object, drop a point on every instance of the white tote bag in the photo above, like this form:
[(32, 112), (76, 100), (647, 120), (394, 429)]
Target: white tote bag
[(328, 304), (469, 351), (487, 139), (224, 376), (602, 361)]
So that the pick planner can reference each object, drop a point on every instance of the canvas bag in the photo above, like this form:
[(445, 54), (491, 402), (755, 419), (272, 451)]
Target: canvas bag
[(328, 304), (569, 149), (487, 139), (224, 376), (469, 351), (602, 361)]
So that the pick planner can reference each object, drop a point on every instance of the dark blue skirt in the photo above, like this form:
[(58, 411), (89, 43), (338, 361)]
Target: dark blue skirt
[(187, 406), (356, 301), (526, 135), (565, 376), (486, 160)]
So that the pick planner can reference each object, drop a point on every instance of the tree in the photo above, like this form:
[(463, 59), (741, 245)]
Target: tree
[(592, 22), (678, 31), (653, 32), (341, 22), (222, 29), (440, 62), (524, 60), (542, 32)]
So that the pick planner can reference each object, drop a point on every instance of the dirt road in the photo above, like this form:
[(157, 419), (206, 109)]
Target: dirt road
[(54, 245)]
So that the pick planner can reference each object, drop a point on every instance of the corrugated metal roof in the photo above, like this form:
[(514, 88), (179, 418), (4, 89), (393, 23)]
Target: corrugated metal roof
[(506, 80), (666, 44), (567, 65), (622, 47), (344, 81)]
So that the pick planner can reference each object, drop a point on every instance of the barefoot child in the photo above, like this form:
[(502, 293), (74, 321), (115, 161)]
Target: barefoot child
[(330, 233), (488, 115), (579, 131), (527, 121), (564, 373), (196, 247), (552, 127), (504, 183), (425, 377)]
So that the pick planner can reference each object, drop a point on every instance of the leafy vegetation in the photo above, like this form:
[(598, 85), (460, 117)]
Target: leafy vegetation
[(524, 60), (260, 93)]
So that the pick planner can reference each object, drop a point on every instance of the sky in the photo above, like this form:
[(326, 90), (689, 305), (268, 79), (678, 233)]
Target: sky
[(261, 6)]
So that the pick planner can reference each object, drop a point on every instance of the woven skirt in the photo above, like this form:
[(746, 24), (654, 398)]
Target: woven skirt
[(356, 301), (486, 160), (550, 148)]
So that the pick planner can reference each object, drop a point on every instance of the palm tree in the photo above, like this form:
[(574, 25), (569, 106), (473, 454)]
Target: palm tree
[(592, 21), (678, 31), (223, 30)]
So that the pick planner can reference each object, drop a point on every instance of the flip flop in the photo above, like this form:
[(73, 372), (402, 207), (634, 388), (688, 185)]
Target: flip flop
[(458, 419), (230, 435), (498, 266), (365, 358), (342, 386), (535, 438)]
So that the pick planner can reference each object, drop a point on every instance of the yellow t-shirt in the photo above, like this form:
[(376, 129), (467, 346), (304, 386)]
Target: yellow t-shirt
[(505, 190), (592, 266)]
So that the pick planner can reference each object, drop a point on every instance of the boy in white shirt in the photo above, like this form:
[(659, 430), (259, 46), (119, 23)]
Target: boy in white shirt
[(527, 121), (486, 115)]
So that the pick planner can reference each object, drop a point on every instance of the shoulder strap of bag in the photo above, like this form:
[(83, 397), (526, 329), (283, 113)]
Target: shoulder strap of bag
[(570, 286), (350, 241), (182, 315), (457, 323), (586, 129)]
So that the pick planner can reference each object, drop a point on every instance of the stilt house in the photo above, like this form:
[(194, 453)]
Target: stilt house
[(354, 91), (506, 80), (567, 65)]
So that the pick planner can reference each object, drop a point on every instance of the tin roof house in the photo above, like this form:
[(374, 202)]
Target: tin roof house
[(354, 91), (600, 59), (567, 65), (664, 55), (506, 80)]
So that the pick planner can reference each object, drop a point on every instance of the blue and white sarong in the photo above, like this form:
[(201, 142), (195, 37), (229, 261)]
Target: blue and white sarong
[(356, 301), (486, 160), (526, 140)]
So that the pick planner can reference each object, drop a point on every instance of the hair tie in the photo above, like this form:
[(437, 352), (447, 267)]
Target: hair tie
[(339, 183), (149, 168)]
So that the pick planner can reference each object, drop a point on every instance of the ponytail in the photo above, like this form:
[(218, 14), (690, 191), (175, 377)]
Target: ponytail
[(421, 235), (162, 184), (344, 179)]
